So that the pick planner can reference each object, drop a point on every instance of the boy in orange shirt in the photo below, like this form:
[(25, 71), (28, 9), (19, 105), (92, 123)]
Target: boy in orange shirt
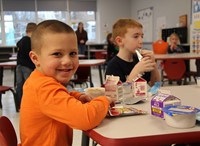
[(48, 111)]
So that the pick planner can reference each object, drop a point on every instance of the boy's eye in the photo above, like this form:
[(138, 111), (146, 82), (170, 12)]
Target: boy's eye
[(73, 54), (57, 54), (135, 36)]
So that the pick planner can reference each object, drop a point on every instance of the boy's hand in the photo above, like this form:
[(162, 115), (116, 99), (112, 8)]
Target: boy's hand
[(148, 53), (111, 100), (85, 98), (145, 65)]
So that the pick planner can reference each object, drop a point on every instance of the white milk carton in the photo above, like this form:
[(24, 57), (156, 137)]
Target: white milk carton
[(139, 87), (113, 87)]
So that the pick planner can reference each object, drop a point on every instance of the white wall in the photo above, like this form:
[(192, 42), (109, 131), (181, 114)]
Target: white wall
[(108, 11), (171, 9)]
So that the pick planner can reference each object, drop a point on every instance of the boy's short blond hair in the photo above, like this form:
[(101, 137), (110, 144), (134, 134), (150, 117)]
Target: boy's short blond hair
[(48, 27), (120, 27), (31, 27)]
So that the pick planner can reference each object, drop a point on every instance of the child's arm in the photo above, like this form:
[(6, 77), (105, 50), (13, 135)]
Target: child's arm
[(146, 64), (81, 96), (155, 75)]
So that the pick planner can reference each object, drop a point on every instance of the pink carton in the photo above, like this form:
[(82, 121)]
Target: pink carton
[(161, 100), (113, 87), (139, 87)]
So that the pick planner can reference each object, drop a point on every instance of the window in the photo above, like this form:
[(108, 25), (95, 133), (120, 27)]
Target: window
[(58, 15), (15, 25), (88, 19), (15, 16)]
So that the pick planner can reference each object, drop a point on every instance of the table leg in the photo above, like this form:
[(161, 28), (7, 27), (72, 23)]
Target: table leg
[(91, 83), (85, 140), (100, 75), (88, 52), (15, 76), (1, 82)]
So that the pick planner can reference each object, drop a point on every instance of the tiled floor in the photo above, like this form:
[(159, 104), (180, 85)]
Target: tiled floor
[(9, 108)]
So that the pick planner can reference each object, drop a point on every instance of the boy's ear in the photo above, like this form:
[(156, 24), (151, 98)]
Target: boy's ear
[(34, 57), (118, 40)]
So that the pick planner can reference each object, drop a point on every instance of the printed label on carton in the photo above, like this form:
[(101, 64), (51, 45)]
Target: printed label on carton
[(161, 100), (140, 87)]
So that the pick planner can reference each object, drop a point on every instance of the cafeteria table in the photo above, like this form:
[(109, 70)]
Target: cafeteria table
[(148, 130)]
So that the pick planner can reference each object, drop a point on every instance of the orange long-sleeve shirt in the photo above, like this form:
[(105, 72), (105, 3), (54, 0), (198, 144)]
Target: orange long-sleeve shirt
[(49, 112)]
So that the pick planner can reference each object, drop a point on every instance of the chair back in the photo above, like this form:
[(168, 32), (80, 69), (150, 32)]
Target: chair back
[(100, 55), (83, 73), (81, 76), (8, 136), (174, 69)]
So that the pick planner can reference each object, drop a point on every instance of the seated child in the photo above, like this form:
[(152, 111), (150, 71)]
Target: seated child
[(111, 49), (48, 111), (128, 36), (174, 46)]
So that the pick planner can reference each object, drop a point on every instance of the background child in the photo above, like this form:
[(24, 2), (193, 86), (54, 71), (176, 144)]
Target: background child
[(174, 46), (128, 35), (24, 64), (112, 50), (48, 111)]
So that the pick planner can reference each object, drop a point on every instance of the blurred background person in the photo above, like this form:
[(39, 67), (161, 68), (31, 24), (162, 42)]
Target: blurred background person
[(82, 38), (24, 64), (112, 49), (175, 47), (174, 44)]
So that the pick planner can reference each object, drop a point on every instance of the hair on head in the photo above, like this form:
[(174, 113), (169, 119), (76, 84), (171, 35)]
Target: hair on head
[(47, 27), (31, 27), (120, 26)]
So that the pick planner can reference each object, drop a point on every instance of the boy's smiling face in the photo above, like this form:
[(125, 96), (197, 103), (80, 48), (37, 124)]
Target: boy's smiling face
[(59, 56), (132, 39)]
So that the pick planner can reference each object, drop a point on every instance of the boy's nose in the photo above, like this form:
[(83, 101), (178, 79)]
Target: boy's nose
[(141, 41), (66, 60)]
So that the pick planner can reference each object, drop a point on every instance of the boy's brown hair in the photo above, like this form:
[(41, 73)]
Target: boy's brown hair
[(47, 27), (31, 27), (120, 27)]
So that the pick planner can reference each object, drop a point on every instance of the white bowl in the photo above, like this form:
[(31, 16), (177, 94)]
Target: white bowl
[(95, 91), (180, 121), (180, 116)]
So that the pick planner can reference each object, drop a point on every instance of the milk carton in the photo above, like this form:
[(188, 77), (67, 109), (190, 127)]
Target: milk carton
[(139, 87), (113, 87), (161, 100)]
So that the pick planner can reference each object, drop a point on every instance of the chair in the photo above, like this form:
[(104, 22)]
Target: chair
[(174, 69), (4, 89), (101, 55), (81, 77), (8, 136)]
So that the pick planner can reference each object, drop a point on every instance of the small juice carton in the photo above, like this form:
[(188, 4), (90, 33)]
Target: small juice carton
[(139, 87), (161, 100), (113, 87)]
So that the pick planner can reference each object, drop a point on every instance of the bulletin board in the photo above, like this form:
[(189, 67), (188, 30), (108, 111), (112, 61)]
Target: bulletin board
[(195, 27), (145, 17)]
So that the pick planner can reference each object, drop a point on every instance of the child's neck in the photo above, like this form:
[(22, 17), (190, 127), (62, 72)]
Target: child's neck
[(125, 55)]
